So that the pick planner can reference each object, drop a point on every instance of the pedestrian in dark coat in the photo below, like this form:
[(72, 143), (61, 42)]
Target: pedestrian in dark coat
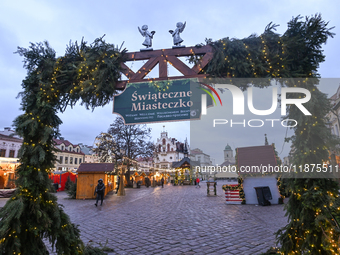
[(162, 181), (100, 188)]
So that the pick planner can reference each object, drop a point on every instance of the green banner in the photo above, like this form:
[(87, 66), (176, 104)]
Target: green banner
[(161, 101)]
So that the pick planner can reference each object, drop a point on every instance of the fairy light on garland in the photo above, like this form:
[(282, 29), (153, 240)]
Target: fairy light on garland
[(147, 166), (238, 187)]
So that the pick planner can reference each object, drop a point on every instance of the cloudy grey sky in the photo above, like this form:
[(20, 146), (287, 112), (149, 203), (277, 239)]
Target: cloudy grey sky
[(58, 22)]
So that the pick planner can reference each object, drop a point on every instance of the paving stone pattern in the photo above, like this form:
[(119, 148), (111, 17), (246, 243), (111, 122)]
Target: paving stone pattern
[(175, 220)]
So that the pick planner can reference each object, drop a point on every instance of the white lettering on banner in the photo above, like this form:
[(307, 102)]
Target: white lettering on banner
[(143, 106), (284, 123), (238, 100)]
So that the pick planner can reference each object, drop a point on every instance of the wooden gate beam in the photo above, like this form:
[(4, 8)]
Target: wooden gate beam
[(162, 57)]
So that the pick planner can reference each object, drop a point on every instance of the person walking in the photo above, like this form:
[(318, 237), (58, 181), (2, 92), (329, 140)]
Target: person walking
[(198, 182), (100, 188), (162, 181)]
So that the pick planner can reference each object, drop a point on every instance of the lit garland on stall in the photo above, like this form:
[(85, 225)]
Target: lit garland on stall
[(147, 166), (238, 187)]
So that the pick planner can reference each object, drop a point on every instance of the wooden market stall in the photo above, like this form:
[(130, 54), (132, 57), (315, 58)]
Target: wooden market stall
[(141, 177), (7, 176), (253, 185), (184, 173), (60, 178), (88, 176)]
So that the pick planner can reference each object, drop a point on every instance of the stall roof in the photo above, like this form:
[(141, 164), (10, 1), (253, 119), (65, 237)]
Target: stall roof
[(256, 156), (95, 167), (187, 160)]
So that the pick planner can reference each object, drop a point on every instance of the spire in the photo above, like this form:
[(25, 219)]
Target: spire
[(164, 133), (185, 148), (265, 139)]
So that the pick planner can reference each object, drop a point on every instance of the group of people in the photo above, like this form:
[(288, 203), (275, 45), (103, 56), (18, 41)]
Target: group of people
[(100, 188)]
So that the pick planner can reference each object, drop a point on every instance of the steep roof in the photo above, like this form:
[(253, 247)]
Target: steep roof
[(256, 156), (58, 142), (183, 161), (10, 138), (67, 144), (95, 167), (196, 151), (226, 163), (86, 150)]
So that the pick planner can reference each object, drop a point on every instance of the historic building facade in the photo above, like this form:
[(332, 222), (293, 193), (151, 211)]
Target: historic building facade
[(9, 146), (145, 164), (201, 158), (334, 122), (69, 156), (168, 150), (334, 115), (9, 149), (90, 156)]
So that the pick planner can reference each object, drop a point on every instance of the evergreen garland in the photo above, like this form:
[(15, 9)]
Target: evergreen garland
[(86, 72), (176, 177), (239, 187), (296, 54), (89, 73)]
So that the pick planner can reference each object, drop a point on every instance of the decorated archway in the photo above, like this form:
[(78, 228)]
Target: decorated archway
[(90, 73)]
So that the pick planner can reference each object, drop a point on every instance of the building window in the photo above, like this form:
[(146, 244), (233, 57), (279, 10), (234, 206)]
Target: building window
[(75, 160), (62, 147), (163, 141), (80, 161), (77, 149), (61, 159), (66, 160), (170, 157), (70, 149), (2, 152), (11, 153), (168, 147), (71, 160)]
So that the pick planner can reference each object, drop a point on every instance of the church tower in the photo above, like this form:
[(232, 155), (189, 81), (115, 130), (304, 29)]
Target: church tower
[(228, 154)]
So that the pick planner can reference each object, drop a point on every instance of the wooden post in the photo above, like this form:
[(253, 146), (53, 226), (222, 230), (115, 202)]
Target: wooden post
[(121, 190)]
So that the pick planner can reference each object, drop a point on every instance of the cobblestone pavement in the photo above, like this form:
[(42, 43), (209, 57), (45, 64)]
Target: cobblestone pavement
[(175, 220)]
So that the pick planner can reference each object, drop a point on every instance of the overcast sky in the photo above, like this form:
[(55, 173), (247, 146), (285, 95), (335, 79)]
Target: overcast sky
[(58, 22)]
